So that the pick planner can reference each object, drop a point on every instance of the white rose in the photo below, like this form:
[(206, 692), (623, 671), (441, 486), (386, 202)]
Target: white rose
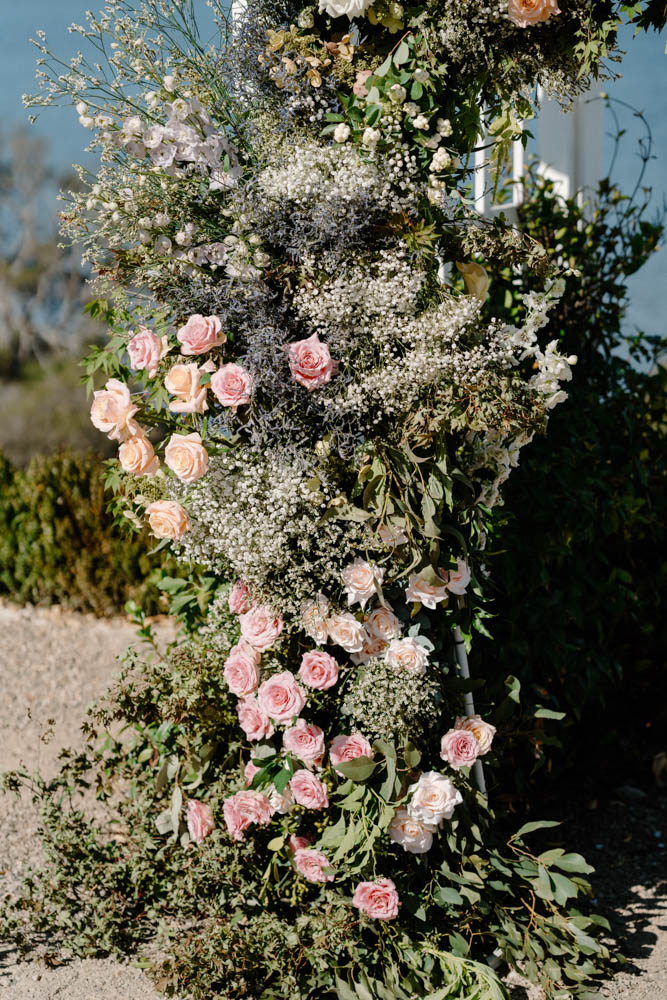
[(413, 835), (344, 630), (338, 8), (433, 798), (341, 132), (361, 581), (408, 655)]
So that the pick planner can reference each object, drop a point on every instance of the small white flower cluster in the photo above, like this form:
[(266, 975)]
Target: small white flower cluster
[(383, 703)]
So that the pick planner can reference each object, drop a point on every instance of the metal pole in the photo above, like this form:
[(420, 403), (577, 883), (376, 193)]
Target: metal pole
[(464, 670)]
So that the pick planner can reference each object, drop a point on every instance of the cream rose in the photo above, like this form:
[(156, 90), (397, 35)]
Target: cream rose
[(167, 519), (186, 457), (413, 835), (361, 581), (232, 385), (112, 411), (344, 630), (524, 13), (433, 798), (456, 580), (481, 730), (313, 619), (310, 362), (345, 8), (383, 624), (146, 350), (183, 381), (371, 648), (200, 334), (136, 456), (408, 655), (421, 592)]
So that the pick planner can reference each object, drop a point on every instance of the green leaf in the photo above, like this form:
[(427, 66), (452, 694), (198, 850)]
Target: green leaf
[(384, 68), (547, 713), (447, 896), (402, 54), (276, 844), (411, 755), (538, 824), (358, 769)]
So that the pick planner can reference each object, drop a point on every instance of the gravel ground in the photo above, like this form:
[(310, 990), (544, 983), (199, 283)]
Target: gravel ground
[(53, 664)]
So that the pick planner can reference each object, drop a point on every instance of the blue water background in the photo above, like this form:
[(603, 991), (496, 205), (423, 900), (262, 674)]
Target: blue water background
[(643, 85)]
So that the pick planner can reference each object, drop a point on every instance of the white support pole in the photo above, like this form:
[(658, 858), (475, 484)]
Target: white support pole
[(464, 671)]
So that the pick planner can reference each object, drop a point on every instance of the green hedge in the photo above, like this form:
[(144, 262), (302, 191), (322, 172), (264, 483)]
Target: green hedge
[(59, 544)]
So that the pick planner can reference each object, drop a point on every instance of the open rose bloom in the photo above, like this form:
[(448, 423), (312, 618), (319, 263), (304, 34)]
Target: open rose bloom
[(525, 13), (200, 820), (459, 748), (113, 411), (167, 519), (311, 363), (146, 350), (200, 334), (378, 900)]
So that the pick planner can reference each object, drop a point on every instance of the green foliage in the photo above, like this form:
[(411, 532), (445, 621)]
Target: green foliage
[(59, 544)]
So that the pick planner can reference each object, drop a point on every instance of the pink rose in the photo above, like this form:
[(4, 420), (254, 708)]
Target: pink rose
[(392, 537), (136, 456), (252, 720), (459, 748), (309, 791), (146, 350), (200, 334), (421, 592), (345, 748), (296, 843), (481, 730), (183, 381), (245, 808), (310, 362), (186, 457), (526, 12), (281, 697), (318, 670), (305, 741), (378, 900), (361, 581), (232, 385), (239, 598), (249, 772), (241, 670), (310, 863), (112, 411), (456, 580), (200, 820), (413, 835), (167, 519), (359, 88), (260, 627)]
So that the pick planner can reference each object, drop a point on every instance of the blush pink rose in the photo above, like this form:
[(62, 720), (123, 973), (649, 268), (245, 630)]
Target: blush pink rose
[(249, 772), (200, 820), (136, 456), (239, 598), (186, 456), (309, 791), (383, 624), (421, 592), (359, 88), (253, 721), (344, 630), (523, 13), (167, 519), (232, 385), (112, 411), (318, 670), (361, 581), (456, 580), (281, 697), (345, 748), (371, 648), (305, 741), (245, 808), (310, 362), (241, 671), (146, 350), (182, 381), (459, 747), (481, 730), (296, 843), (378, 900), (200, 334), (260, 627), (310, 863)]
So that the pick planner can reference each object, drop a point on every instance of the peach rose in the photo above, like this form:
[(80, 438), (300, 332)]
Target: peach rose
[(136, 456), (408, 655), (232, 385), (371, 648), (413, 835), (523, 13), (481, 730), (310, 362), (260, 627), (459, 747), (378, 900), (305, 741), (310, 863), (183, 381), (200, 820), (254, 722), (456, 580), (167, 519), (186, 457), (346, 748), (245, 808), (361, 581), (281, 697), (313, 619), (421, 592), (383, 624), (344, 630), (200, 334), (112, 411), (309, 791), (146, 350), (241, 671), (239, 598), (433, 798), (318, 670)]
